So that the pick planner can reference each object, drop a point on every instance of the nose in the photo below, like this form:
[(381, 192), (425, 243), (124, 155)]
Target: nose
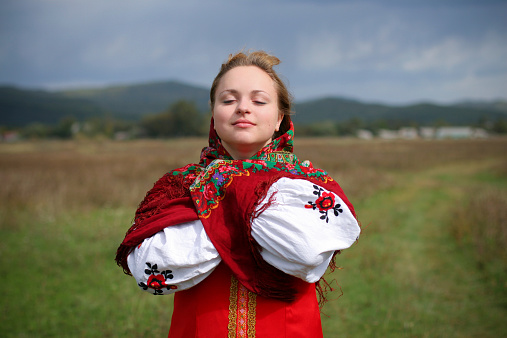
[(243, 107)]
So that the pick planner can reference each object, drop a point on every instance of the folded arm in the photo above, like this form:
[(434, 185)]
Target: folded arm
[(173, 259), (302, 228)]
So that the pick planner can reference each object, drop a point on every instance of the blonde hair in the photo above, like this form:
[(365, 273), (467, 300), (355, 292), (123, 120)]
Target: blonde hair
[(265, 62)]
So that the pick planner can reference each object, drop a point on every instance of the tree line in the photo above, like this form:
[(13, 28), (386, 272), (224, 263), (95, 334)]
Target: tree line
[(180, 119), (183, 119)]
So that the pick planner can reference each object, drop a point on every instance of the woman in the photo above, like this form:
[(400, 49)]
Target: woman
[(243, 236)]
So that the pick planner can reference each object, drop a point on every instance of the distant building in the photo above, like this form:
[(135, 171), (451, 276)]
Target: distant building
[(364, 134), (10, 136), (408, 133), (480, 133), (122, 135), (387, 134), (460, 132), (427, 132)]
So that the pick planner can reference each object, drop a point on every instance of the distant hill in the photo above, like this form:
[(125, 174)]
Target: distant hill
[(340, 109), (335, 109), (498, 105), (19, 107), (134, 101)]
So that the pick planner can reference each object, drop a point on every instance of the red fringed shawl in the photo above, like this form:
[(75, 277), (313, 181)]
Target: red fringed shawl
[(225, 195)]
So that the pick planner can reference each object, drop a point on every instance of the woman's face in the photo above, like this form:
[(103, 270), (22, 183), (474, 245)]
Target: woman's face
[(246, 111)]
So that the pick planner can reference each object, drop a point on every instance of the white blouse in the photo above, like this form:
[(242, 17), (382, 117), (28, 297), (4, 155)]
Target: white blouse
[(298, 234)]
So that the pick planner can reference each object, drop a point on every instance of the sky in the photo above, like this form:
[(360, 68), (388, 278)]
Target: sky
[(385, 51)]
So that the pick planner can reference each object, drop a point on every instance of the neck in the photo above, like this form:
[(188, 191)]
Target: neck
[(243, 153)]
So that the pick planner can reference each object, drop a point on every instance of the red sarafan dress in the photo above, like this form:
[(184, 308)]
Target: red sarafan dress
[(220, 306), (241, 242)]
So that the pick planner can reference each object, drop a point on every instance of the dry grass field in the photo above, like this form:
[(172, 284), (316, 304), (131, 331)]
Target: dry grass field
[(431, 261)]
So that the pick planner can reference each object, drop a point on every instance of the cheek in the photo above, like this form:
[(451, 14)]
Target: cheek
[(218, 116), (219, 122)]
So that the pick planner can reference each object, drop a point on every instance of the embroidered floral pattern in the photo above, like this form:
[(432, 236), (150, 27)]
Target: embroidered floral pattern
[(190, 172), (157, 280), (325, 203), (210, 186)]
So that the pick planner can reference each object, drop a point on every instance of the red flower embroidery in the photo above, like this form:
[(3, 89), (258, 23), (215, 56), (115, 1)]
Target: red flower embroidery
[(210, 191), (156, 282), (324, 203)]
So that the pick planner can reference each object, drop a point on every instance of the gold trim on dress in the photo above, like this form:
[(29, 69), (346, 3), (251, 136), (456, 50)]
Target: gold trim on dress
[(242, 311), (252, 312), (233, 307)]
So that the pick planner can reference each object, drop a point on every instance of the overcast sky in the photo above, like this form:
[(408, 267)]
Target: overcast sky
[(391, 51)]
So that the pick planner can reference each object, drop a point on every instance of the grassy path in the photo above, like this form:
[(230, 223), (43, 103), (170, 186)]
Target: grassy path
[(407, 277)]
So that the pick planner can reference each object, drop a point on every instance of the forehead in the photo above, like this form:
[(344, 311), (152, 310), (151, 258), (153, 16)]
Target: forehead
[(249, 78)]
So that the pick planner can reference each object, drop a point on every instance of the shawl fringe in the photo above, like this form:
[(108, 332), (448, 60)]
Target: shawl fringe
[(170, 191), (272, 282)]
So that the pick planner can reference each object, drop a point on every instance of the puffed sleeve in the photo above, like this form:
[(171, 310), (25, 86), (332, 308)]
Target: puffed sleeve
[(173, 259), (302, 227)]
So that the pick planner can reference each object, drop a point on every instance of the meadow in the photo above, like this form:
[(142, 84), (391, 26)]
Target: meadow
[(431, 260)]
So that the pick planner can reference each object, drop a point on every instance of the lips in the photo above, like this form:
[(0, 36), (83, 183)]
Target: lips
[(243, 123)]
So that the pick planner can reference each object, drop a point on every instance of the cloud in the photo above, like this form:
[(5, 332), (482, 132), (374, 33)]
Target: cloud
[(455, 54), (355, 48)]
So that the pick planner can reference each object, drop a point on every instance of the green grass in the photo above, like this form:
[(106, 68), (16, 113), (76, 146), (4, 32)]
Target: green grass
[(407, 277), (64, 208), (60, 280)]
